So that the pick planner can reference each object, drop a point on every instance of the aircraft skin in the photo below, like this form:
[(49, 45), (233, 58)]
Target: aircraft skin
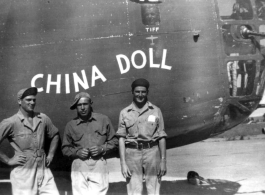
[(64, 47)]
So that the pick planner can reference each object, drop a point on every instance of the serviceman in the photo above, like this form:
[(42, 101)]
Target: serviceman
[(87, 138), (142, 143), (26, 132)]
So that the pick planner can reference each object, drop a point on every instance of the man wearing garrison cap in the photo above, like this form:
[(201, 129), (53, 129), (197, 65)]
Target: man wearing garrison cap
[(87, 138), (26, 132), (142, 143)]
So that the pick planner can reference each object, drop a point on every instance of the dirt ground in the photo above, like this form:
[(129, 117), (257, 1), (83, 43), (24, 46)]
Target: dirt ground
[(229, 167)]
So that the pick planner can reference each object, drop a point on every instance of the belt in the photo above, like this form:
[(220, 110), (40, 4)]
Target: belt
[(141, 145), (34, 153)]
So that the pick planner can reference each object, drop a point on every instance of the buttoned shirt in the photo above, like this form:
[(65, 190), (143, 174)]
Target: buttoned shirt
[(25, 136), (29, 140), (146, 124), (97, 131)]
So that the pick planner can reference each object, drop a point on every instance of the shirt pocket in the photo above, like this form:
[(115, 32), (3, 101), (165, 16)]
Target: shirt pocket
[(77, 137), (23, 140), (151, 128), (101, 132), (131, 127)]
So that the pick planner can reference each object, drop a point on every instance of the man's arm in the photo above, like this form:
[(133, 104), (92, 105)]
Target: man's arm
[(68, 148), (53, 147), (163, 156), (124, 168), (18, 158)]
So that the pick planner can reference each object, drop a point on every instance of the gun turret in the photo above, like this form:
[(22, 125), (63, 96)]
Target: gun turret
[(245, 32)]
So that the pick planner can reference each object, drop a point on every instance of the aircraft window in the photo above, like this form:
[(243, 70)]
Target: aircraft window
[(235, 9), (260, 8), (234, 42), (150, 14), (262, 40), (241, 76)]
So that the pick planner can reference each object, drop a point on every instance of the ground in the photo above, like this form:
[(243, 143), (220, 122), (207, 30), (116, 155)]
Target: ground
[(229, 167)]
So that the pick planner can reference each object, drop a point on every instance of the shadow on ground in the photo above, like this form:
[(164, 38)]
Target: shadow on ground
[(180, 187), (214, 187)]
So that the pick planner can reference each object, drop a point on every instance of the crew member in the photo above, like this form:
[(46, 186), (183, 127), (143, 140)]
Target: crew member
[(142, 143), (87, 138), (26, 132)]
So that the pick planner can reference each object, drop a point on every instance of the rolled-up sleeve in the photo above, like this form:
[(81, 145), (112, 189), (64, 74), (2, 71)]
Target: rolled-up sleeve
[(112, 141), (68, 148), (161, 127), (5, 129), (51, 129), (121, 127)]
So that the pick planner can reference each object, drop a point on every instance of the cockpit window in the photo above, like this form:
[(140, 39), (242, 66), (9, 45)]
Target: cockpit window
[(150, 14), (260, 8), (235, 9), (241, 76)]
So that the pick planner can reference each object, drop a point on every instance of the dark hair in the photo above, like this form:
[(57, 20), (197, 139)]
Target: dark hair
[(192, 174)]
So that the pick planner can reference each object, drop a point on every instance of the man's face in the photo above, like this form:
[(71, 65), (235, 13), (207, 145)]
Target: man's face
[(140, 94), (28, 103), (83, 107)]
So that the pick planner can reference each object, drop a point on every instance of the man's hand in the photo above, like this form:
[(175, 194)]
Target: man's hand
[(83, 153), (163, 169), (17, 159), (96, 150), (49, 159), (125, 170)]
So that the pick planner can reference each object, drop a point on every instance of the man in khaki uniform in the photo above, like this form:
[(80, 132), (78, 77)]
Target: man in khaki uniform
[(26, 132), (142, 142), (87, 138)]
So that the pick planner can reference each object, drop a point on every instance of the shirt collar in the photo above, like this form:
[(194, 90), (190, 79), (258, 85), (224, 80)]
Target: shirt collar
[(92, 117), (132, 107), (22, 118)]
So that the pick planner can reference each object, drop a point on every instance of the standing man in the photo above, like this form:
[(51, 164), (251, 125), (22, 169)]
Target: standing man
[(26, 132), (87, 138), (142, 143)]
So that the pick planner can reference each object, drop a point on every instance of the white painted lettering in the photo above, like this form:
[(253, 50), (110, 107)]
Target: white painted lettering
[(133, 59), (33, 81), (151, 59), (67, 84), (95, 71), (77, 81), (127, 61), (163, 63), (57, 83)]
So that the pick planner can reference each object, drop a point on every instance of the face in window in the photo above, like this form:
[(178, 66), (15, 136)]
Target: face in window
[(150, 14)]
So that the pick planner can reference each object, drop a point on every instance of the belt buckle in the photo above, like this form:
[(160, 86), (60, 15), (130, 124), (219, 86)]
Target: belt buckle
[(138, 146), (148, 144)]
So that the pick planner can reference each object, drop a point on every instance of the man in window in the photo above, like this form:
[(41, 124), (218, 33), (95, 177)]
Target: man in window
[(142, 143), (87, 138), (26, 132), (242, 10), (150, 14)]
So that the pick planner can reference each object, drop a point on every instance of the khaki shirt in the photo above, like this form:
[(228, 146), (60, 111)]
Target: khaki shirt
[(16, 129), (30, 142), (97, 131), (147, 125)]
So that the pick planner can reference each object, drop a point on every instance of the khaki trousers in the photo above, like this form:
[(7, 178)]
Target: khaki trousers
[(90, 177)]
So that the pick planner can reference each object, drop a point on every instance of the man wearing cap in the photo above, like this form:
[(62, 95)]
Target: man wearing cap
[(26, 132), (142, 144), (87, 138)]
